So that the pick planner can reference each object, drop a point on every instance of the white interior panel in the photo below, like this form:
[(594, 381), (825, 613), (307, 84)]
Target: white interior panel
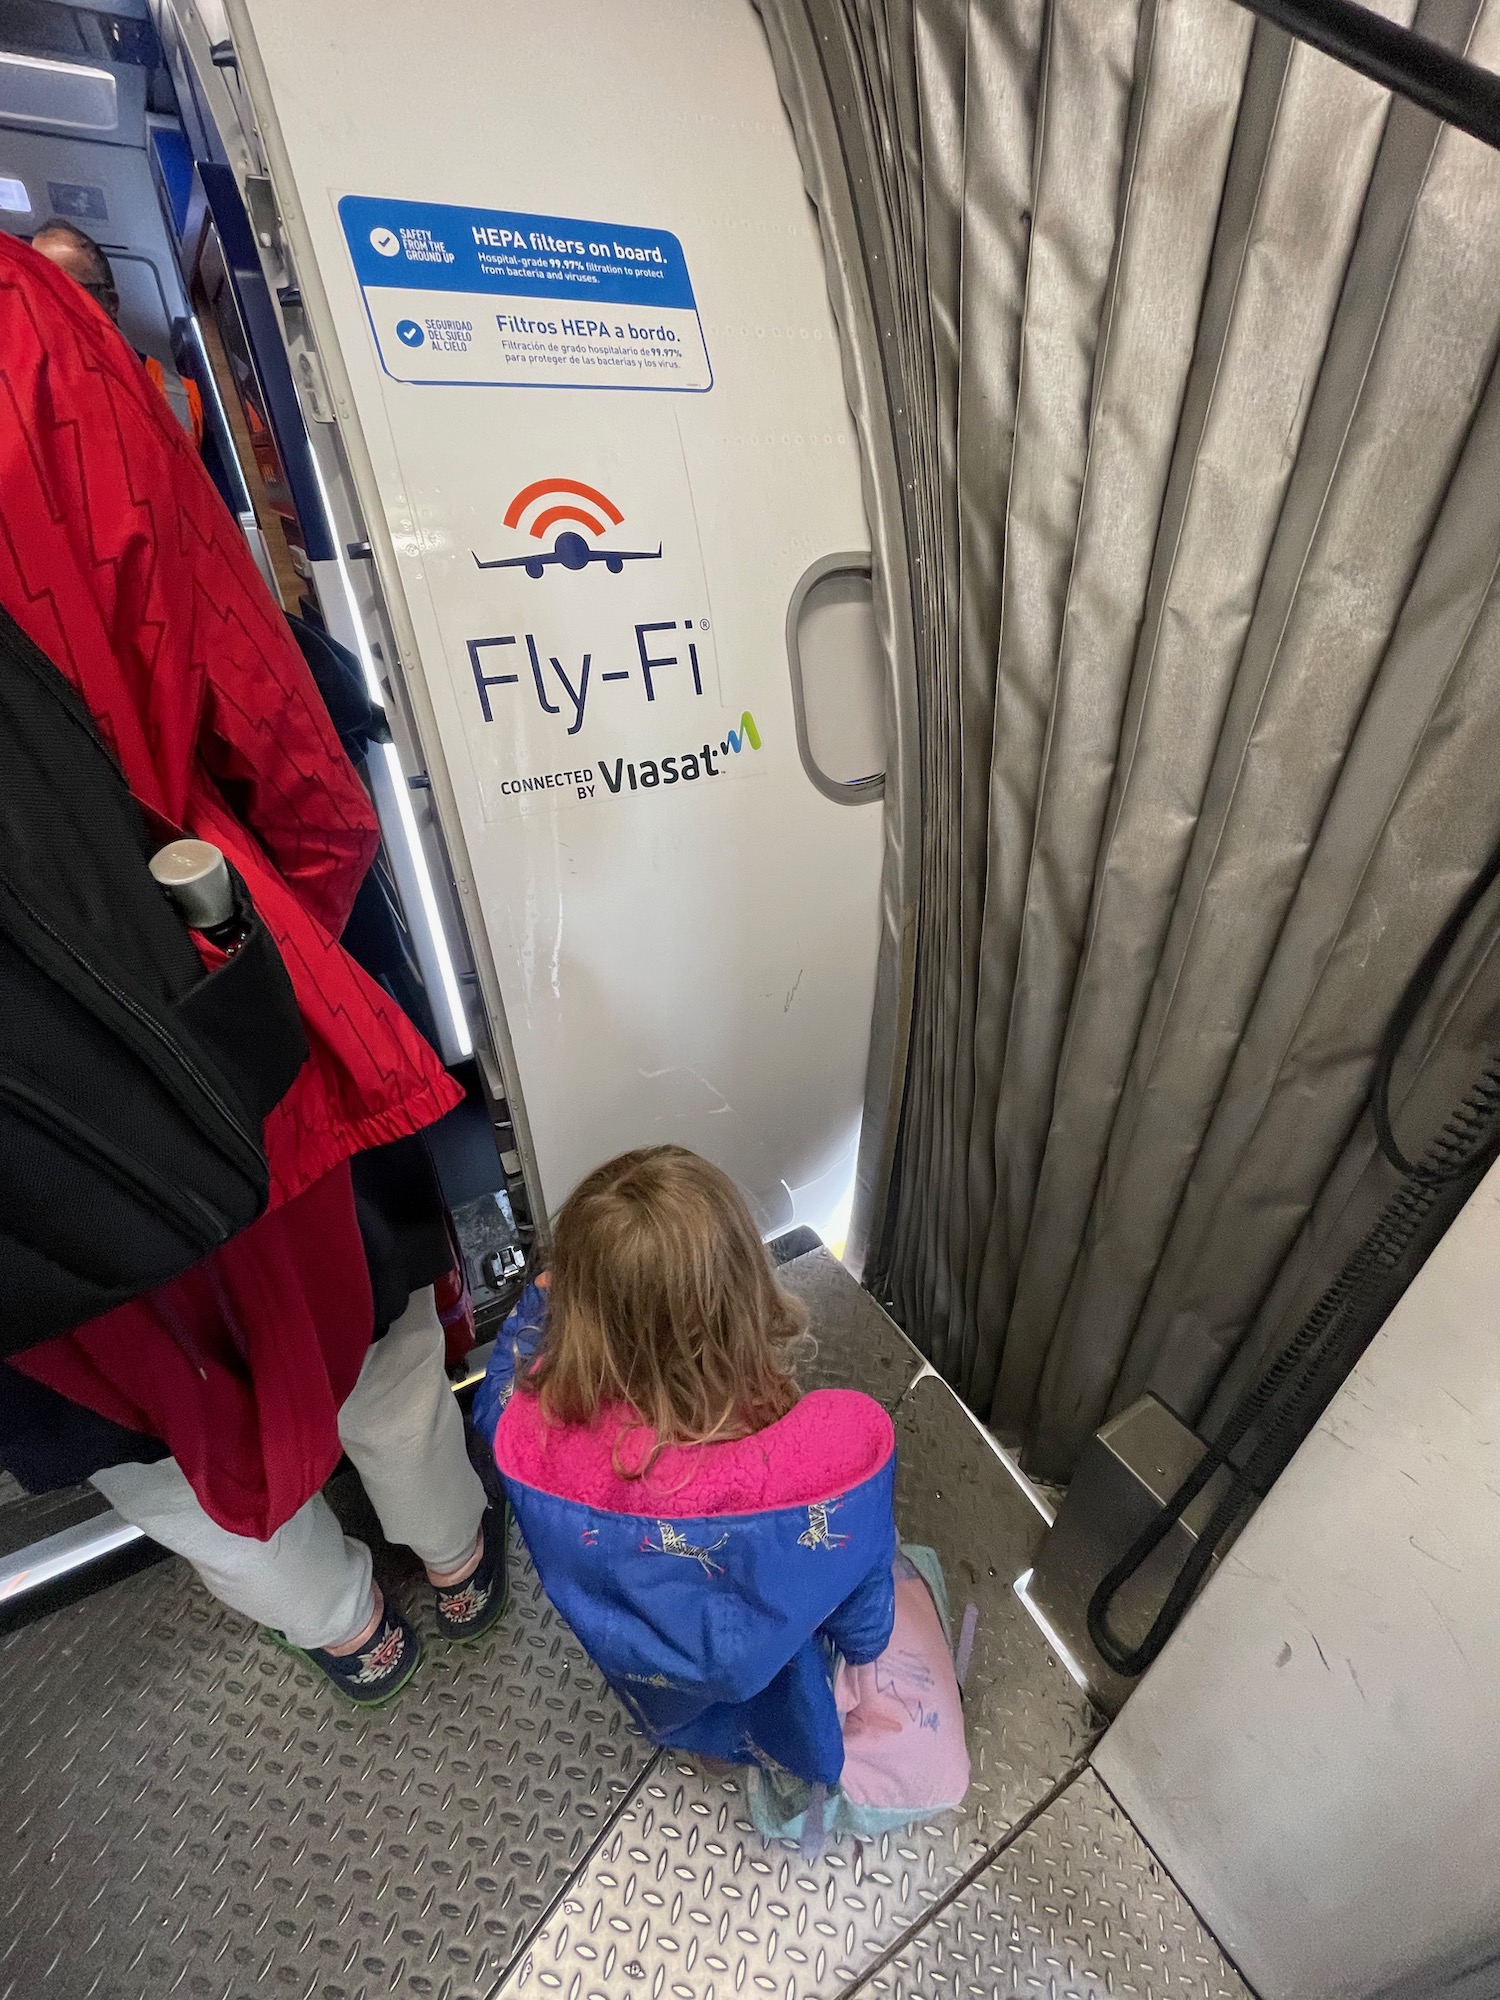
[(690, 958), (1316, 1755)]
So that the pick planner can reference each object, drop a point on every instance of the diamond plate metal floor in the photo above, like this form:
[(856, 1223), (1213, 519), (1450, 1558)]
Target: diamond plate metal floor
[(192, 1813), (1076, 1908), (855, 1345)]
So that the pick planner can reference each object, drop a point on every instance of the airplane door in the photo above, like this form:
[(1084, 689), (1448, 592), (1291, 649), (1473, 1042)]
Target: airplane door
[(569, 298)]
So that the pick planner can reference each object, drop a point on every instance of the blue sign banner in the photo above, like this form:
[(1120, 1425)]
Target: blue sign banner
[(497, 298), (439, 248)]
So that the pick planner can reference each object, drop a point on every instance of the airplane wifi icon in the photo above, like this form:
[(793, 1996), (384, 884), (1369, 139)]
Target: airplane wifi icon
[(550, 502)]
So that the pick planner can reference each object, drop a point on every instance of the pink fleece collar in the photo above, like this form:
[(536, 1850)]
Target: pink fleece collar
[(832, 1441)]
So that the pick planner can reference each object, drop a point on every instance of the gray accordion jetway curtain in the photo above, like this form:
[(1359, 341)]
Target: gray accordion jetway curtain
[(1172, 346)]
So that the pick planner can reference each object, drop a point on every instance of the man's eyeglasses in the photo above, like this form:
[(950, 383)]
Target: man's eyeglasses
[(104, 292)]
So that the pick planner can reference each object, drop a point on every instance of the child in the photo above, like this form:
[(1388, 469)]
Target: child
[(723, 1545)]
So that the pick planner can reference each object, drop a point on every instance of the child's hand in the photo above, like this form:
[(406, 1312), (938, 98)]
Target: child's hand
[(542, 1280)]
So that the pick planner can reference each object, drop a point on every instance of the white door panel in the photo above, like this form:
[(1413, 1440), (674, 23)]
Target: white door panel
[(685, 948)]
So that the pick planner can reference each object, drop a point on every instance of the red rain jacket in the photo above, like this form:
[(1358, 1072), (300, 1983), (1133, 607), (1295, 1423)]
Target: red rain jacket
[(120, 560)]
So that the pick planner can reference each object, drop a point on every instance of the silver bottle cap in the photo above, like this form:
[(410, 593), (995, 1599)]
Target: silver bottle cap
[(196, 876)]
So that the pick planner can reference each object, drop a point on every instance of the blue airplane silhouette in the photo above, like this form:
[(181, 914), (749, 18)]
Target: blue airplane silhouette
[(572, 552)]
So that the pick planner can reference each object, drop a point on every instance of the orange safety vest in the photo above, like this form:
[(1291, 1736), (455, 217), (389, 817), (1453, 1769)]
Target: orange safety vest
[(182, 395)]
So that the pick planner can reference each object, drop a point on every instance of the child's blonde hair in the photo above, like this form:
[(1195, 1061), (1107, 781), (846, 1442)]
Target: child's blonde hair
[(663, 1298)]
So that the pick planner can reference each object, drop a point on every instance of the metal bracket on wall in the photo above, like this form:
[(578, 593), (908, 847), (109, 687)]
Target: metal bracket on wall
[(260, 206)]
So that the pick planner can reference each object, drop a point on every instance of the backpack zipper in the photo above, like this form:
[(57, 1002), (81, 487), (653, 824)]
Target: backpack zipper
[(188, 1212), (143, 1019)]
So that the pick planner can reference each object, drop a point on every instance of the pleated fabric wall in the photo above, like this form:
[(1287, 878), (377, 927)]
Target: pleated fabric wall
[(1172, 346)]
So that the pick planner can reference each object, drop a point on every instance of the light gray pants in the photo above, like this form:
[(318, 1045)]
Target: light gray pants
[(401, 1427)]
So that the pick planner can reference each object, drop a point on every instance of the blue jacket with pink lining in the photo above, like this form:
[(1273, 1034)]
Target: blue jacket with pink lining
[(714, 1592)]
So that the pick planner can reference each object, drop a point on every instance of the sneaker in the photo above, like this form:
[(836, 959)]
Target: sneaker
[(466, 1609), (380, 1668)]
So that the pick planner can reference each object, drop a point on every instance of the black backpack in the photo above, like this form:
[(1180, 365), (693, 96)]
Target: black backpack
[(133, 1083)]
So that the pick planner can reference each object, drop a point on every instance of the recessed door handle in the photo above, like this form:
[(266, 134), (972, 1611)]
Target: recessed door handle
[(837, 671)]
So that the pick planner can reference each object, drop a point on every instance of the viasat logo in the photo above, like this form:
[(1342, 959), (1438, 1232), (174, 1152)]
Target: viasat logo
[(643, 774), (651, 772), (547, 503)]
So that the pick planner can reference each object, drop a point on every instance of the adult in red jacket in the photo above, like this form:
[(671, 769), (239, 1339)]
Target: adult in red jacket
[(212, 1410)]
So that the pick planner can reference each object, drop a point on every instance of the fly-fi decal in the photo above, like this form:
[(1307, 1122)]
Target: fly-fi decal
[(570, 550)]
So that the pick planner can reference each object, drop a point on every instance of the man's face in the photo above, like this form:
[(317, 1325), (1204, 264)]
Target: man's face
[(79, 267)]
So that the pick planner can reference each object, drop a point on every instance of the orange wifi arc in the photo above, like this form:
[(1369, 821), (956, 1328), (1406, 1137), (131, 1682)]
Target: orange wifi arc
[(567, 510), (570, 551)]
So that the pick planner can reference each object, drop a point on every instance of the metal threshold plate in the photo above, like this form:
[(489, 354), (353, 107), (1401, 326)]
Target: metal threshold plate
[(1076, 1906)]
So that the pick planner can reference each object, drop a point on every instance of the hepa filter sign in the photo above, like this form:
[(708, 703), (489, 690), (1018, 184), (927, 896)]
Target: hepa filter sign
[(497, 298)]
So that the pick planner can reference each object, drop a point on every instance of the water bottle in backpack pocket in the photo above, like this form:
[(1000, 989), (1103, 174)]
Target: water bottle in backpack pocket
[(133, 1079)]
